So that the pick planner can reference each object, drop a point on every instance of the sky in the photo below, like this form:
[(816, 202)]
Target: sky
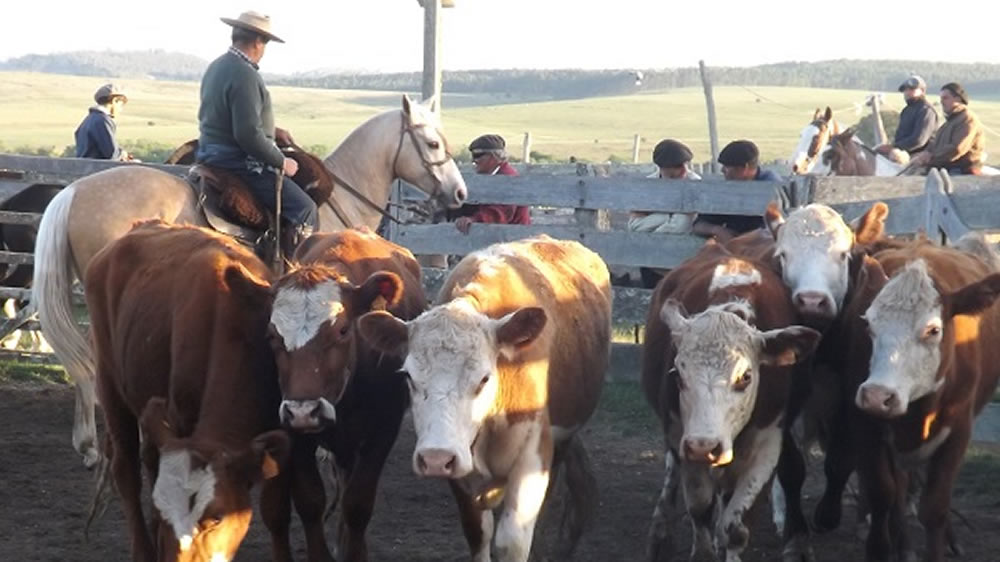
[(387, 35)]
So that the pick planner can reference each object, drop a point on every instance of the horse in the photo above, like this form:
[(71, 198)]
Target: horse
[(812, 140), (97, 209), (847, 156), (21, 238)]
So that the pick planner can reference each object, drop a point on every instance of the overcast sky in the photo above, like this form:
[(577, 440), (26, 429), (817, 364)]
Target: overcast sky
[(387, 35)]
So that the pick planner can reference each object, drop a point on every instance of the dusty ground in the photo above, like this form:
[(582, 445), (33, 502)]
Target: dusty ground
[(45, 492)]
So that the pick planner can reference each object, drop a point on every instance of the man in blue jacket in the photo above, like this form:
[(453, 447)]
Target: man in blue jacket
[(95, 137), (917, 123), (237, 129)]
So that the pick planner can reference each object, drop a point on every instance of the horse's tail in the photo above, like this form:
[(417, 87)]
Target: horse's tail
[(52, 295)]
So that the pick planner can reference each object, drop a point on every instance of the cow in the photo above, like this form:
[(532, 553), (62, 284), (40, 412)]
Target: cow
[(179, 320), (923, 363), (717, 368), (503, 371), (333, 384)]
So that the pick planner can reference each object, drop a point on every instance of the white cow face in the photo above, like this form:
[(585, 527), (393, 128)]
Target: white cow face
[(813, 247), (912, 328), (717, 363), (451, 358)]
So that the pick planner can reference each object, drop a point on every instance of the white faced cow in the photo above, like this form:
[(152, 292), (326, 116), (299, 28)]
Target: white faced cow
[(504, 370)]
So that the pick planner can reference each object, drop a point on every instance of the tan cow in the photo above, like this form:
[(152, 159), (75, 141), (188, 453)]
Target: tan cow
[(503, 372)]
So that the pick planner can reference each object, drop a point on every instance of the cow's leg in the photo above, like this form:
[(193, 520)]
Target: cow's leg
[(359, 490), (936, 500), (581, 498), (756, 474), (787, 501), (477, 524), (877, 477), (660, 547), (276, 512), (309, 497), (837, 466), (703, 506), (526, 487), (123, 428)]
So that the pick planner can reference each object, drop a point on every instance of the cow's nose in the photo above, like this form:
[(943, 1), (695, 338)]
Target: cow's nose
[(877, 399), (436, 462), (814, 303), (702, 449), (302, 415)]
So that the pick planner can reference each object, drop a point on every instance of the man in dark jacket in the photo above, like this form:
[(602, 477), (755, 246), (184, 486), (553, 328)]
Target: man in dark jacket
[(96, 135), (489, 154), (917, 123), (740, 162), (237, 129)]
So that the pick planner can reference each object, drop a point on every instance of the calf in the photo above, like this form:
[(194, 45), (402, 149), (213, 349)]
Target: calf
[(719, 381), (178, 318), (923, 363), (503, 371), (333, 384)]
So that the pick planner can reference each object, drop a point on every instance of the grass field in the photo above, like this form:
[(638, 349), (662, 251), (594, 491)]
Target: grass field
[(44, 110)]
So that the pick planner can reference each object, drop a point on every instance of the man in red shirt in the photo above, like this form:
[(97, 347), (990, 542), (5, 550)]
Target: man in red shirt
[(489, 155)]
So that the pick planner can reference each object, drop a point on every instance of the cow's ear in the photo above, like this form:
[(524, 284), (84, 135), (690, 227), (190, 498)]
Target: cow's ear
[(773, 218), (154, 422), (787, 346), (870, 226), (381, 290), (974, 298), (672, 314), (519, 328), (384, 332), (244, 283), (270, 453)]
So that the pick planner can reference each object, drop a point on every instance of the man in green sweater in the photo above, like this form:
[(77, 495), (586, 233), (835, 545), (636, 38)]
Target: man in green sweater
[(237, 129)]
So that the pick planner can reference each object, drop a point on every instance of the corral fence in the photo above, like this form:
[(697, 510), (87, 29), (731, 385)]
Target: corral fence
[(587, 203)]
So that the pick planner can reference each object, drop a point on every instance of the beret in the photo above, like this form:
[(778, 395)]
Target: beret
[(739, 153), (487, 142), (671, 154)]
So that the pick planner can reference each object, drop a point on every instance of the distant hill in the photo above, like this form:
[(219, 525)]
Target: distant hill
[(127, 64), (980, 79)]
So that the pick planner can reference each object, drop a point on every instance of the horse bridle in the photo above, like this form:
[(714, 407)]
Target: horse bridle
[(405, 130)]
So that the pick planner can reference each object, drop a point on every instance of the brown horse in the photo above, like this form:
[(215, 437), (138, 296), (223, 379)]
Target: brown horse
[(98, 209)]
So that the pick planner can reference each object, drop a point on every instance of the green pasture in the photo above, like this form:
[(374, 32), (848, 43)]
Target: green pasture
[(43, 110)]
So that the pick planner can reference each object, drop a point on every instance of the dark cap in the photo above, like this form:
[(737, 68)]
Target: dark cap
[(958, 91), (739, 153), (913, 81), (671, 154), (487, 143)]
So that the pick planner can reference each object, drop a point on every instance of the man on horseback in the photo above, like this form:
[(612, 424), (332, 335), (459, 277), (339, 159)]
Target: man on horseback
[(959, 144), (95, 137), (917, 123), (237, 132)]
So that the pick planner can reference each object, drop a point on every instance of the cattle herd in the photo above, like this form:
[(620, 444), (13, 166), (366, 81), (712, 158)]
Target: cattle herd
[(218, 377)]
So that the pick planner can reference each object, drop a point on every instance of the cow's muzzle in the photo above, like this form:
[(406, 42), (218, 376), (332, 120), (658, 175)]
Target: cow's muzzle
[(706, 450), (307, 415), (880, 400)]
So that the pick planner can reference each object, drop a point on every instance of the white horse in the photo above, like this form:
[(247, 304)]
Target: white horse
[(98, 209)]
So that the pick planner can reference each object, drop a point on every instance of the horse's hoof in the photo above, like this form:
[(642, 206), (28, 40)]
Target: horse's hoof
[(91, 458)]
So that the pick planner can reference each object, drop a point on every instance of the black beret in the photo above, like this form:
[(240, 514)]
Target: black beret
[(671, 154), (739, 153), (487, 142), (957, 90)]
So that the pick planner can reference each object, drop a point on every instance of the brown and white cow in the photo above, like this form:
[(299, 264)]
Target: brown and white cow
[(332, 382), (179, 317), (719, 380), (924, 363), (504, 370)]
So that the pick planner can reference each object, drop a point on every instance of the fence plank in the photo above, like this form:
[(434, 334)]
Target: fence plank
[(42, 169), (617, 248), (14, 217), (17, 258)]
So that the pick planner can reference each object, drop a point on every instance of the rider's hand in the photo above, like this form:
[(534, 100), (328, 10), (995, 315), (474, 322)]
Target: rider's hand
[(282, 137), (290, 167)]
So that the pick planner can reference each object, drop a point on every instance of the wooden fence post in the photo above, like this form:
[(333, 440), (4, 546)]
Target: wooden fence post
[(636, 141), (526, 148), (432, 50), (713, 133)]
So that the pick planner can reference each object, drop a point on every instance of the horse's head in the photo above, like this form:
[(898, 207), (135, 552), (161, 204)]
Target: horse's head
[(844, 156), (813, 138), (423, 158)]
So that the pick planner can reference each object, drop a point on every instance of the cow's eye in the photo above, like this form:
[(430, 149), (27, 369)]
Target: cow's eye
[(932, 331), (482, 384), (345, 329), (743, 381)]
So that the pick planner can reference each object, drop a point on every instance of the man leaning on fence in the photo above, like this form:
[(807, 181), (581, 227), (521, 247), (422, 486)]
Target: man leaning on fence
[(740, 162), (489, 155)]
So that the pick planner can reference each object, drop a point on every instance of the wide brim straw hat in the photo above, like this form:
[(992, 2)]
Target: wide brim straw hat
[(256, 22)]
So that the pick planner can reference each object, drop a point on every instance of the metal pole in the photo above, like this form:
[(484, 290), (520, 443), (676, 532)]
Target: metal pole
[(713, 133), (432, 50)]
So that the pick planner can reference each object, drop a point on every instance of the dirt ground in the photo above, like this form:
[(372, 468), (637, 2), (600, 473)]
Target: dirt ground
[(45, 493)]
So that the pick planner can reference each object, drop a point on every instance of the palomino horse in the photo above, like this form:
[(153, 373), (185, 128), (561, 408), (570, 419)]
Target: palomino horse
[(812, 140), (98, 209)]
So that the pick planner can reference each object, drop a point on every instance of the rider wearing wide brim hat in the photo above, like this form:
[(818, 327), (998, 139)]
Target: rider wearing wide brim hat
[(256, 22)]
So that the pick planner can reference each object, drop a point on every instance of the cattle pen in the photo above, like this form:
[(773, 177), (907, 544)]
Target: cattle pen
[(585, 202)]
